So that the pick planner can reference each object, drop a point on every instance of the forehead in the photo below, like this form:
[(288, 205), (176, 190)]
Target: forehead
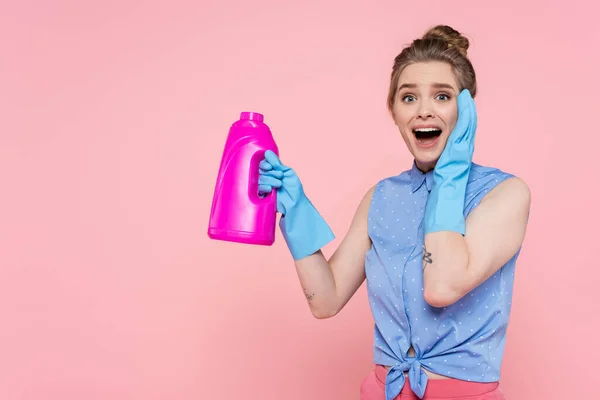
[(427, 73)]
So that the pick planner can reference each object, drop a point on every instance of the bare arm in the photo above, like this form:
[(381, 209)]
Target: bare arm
[(329, 284), (453, 265)]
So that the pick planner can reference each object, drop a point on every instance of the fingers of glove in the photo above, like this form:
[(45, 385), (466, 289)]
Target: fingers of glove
[(464, 97), (273, 160), (266, 180), (265, 165), (264, 189), (467, 116), (273, 173)]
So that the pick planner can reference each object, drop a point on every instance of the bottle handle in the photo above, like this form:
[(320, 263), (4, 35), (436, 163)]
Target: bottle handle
[(256, 198)]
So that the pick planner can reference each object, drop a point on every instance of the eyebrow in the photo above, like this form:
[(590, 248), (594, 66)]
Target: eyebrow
[(435, 85)]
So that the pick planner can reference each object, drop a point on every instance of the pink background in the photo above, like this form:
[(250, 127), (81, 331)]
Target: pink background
[(113, 116)]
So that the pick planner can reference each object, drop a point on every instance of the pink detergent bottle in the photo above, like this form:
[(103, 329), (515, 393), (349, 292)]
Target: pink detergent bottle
[(238, 213)]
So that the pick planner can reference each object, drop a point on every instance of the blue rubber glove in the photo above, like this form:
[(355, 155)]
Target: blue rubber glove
[(445, 206), (303, 228)]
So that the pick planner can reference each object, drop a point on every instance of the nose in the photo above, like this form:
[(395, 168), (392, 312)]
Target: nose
[(425, 110)]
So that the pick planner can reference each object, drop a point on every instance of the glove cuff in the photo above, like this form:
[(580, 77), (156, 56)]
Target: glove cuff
[(304, 230)]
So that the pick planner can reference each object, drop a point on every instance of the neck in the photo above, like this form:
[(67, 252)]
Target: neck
[(424, 167)]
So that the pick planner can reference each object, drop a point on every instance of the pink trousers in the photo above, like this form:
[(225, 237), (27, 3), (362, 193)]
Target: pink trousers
[(373, 388)]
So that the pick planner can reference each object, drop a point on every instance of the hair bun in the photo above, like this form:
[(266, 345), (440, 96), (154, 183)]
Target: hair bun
[(450, 36)]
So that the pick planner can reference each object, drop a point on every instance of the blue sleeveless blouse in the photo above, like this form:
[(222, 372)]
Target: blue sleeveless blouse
[(464, 340)]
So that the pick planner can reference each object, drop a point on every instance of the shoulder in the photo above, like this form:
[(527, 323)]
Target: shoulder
[(400, 180), (513, 190), (486, 172), (383, 185), (504, 188)]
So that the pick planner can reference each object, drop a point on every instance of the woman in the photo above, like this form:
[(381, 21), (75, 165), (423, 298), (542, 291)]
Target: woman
[(437, 244)]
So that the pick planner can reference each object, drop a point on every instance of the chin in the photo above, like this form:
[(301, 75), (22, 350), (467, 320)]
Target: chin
[(426, 164), (427, 156), (426, 159)]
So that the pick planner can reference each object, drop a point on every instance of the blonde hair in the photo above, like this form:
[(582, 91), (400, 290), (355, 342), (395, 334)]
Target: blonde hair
[(440, 43)]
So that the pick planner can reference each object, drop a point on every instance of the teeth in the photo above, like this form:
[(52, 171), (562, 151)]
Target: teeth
[(427, 130)]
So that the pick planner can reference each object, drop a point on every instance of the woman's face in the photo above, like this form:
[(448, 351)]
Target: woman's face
[(425, 110)]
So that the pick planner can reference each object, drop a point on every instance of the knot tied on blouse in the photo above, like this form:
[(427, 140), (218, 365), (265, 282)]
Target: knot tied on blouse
[(395, 379)]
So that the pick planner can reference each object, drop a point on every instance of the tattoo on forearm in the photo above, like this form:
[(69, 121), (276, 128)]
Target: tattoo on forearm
[(426, 257), (309, 296)]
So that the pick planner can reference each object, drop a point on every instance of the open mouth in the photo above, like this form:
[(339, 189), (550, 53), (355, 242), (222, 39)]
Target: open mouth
[(427, 136)]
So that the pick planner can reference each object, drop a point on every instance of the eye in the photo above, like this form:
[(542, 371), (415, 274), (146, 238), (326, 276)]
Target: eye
[(408, 98), (442, 97)]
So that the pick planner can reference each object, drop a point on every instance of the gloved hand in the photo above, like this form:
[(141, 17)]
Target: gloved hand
[(303, 228), (444, 210)]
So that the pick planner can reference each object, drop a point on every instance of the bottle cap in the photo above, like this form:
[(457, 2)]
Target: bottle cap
[(252, 116)]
